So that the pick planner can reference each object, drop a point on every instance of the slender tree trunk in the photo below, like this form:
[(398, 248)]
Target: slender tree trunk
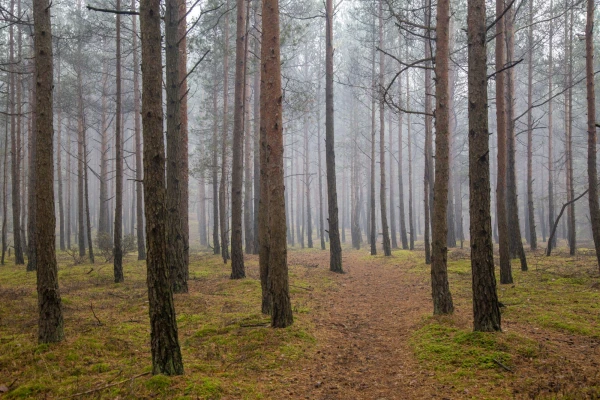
[(387, 250), (31, 183), (486, 311), (307, 180), (272, 125), (428, 159), (411, 218), (183, 163), (442, 299), (69, 194), (237, 170), (256, 135), (248, 204), (118, 223), (551, 211), (392, 184), (87, 200), (166, 354), (373, 227), (50, 325), (501, 217), (512, 206), (215, 177), (403, 236), (569, 140), (80, 156), (4, 178), (530, 206), (224, 161), (591, 122), (319, 157), (335, 248), (175, 233), (202, 222), (139, 188), (61, 209), (103, 221), (14, 122), (451, 216)]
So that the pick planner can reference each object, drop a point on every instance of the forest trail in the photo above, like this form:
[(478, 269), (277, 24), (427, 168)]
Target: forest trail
[(363, 333)]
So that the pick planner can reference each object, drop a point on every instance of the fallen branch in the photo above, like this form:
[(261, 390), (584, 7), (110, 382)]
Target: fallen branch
[(107, 386), (562, 210), (503, 366), (97, 319)]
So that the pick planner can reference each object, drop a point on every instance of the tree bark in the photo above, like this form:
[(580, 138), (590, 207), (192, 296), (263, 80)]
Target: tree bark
[(139, 188), (237, 170), (387, 250), (87, 201), (530, 205), (591, 122), (486, 311), (183, 161), (31, 182), (166, 354), (551, 211), (572, 235), (224, 161), (175, 229), (428, 159), (372, 212), (272, 125), (403, 236), (442, 298), (118, 223), (335, 248), (215, 176), (411, 218), (61, 208), (501, 217), (50, 325)]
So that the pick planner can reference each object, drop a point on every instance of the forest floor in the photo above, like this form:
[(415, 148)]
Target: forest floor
[(365, 334)]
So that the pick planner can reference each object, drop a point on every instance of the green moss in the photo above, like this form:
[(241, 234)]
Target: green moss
[(26, 391), (158, 383)]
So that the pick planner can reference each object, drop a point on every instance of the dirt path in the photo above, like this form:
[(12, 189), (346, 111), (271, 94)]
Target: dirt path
[(363, 332)]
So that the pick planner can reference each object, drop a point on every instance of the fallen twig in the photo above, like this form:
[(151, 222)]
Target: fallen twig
[(253, 325), (95, 316), (107, 386), (503, 366)]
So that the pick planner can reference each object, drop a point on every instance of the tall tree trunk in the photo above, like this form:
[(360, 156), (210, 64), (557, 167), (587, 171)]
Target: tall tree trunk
[(551, 211), (31, 182), (530, 206), (14, 123), (248, 204), (272, 125), (387, 250), (307, 180), (118, 223), (175, 236), (224, 161), (428, 158), (319, 157), (451, 216), (69, 194), (50, 323), (392, 184), (572, 235), (61, 208), (166, 354), (256, 133), (335, 248), (87, 200), (139, 188), (215, 176), (202, 223), (512, 206), (501, 217), (591, 122), (486, 310), (183, 161), (237, 170), (442, 299), (103, 220), (4, 178), (403, 236), (411, 218), (373, 227)]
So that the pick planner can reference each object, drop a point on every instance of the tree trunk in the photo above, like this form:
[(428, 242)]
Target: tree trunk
[(237, 170), (501, 217), (224, 161), (512, 206), (319, 157), (442, 299), (139, 188), (272, 126), (248, 204), (392, 184), (335, 248), (69, 194), (166, 354), (486, 311), (411, 218), (551, 211), (572, 235), (372, 226), (307, 180), (178, 268), (428, 159), (50, 323), (118, 223), (4, 179), (103, 220), (183, 160), (591, 122), (61, 208), (403, 236), (215, 176), (31, 182), (387, 250), (530, 206), (87, 201)]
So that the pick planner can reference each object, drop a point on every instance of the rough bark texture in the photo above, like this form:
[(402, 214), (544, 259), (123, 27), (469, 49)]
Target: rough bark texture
[(237, 169), (512, 207), (572, 234), (183, 162), (486, 311), (166, 354), (335, 248), (256, 133), (411, 218), (319, 158), (440, 288), (387, 249), (272, 126), (31, 178), (530, 206), (403, 236), (428, 159), (178, 268), (215, 176), (393, 236), (118, 223), (501, 217), (551, 211), (224, 162), (50, 322), (103, 219), (61, 208), (372, 211), (88, 224), (591, 127), (139, 188)]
